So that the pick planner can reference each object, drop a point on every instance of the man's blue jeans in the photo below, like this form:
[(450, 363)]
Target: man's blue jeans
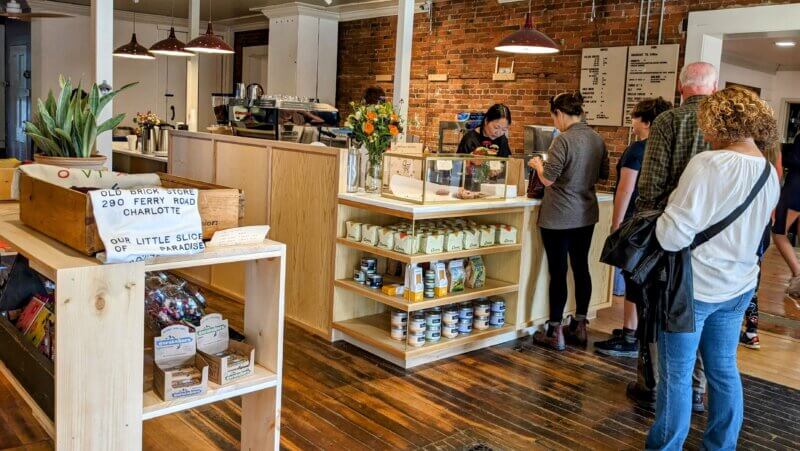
[(717, 337)]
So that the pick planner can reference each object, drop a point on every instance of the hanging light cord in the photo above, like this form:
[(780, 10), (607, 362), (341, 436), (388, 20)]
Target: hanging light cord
[(135, 2), (172, 24)]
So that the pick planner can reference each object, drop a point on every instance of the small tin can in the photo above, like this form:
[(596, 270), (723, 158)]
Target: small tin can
[(399, 318), (450, 316), (416, 339), (433, 335), (375, 281), (450, 330), (416, 323), (482, 308), (498, 305), (480, 322), (360, 276), (429, 293), (465, 326), (465, 312), (497, 319), (370, 263), (398, 333), (433, 317)]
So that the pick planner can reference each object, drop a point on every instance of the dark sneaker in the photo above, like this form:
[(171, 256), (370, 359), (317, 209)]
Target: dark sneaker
[(698, 404), (617, 333), (617, 347), (643, 398), (747, 342), (553, 338), (576, 333)]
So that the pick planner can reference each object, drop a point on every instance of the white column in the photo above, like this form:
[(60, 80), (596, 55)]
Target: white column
[(402, 58), (193, 69), (102, 25)]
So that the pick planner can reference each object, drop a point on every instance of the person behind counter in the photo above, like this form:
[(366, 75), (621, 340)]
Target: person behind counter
[(623, 343), (374, 95), (577, 159), (491, 132)]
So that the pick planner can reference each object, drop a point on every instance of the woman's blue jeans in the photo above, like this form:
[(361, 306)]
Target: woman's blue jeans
[(716, 335)]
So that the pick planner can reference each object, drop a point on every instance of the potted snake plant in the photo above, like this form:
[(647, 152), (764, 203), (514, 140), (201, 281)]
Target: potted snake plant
[(64, 129)]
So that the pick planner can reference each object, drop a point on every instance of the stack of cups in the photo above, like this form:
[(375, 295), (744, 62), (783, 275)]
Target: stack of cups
[(480, 320), (433, 324), (450, 322), (399, 324), (497, 317), (416, 329), (465, 317)]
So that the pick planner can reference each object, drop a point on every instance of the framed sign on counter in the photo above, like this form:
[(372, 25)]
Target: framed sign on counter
[(603, 84), (652, 72)]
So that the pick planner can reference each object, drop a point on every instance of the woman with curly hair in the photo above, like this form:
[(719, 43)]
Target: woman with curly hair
[(724, 269)]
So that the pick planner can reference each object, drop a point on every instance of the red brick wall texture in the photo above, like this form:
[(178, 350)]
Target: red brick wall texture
[(461, 44)]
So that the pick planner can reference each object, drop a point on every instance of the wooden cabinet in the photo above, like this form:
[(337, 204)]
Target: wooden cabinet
[(191, 158)]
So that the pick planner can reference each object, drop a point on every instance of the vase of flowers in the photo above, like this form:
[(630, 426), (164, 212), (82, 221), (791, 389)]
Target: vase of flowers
[(147, 123), (374, 127), (64, 129)]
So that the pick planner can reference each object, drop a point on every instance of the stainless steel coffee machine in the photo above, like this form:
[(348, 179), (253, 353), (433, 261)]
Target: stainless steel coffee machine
[(282, 118)]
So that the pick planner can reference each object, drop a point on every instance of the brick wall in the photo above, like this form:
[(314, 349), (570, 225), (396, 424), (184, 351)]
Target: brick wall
[(462, 45)]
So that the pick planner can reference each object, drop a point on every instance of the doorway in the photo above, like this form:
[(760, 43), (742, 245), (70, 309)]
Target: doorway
[(250, 59), (19, 93)]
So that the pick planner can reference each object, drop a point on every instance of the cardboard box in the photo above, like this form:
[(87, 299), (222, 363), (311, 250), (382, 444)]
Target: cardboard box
[(66, 215), (213, 339), (174, 350)]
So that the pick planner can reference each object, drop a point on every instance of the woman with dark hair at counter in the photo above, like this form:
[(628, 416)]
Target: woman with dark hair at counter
[(576, 161), (491, 132)]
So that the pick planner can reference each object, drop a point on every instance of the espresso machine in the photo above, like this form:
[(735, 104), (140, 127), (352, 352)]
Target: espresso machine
[(282, 118)]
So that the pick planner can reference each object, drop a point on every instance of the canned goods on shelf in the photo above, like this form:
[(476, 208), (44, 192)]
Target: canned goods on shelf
[(498, 305), (465, 327), (398, 333), (370, 263), (480, 322), (450, 330), (416, 339), (399, 318), (497, 319), (481, 308), (433, 335), (416, 323), (450, 316), (360, 276), (433, 317), (375, 281)]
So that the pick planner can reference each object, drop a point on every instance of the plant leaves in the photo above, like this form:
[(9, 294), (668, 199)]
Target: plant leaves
[(107, 98), (110, 123), (48, 121), (94, 99), (63, 102), (89, 134)]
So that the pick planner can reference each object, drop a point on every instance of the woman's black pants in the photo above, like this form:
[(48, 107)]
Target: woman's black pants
[(563, 247)]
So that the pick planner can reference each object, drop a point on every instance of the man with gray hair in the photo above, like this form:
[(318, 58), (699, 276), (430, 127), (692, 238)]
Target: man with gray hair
[(674, 140)]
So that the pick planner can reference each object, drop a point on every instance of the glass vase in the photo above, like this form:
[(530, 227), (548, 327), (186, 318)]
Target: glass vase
[(374, 176)]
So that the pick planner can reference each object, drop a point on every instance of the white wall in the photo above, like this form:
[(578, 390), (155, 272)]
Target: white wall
[(62, 47)]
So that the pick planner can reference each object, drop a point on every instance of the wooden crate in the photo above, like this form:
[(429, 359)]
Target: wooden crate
[(6, 178), (30, 368), (66, 215)]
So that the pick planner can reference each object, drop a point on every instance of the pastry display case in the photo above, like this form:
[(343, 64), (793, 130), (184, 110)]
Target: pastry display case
[(431, 178)]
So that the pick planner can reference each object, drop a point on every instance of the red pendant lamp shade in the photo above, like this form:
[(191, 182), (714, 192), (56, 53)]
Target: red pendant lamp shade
[(133, 50), (172, 46), (209, 43), (527, 40)]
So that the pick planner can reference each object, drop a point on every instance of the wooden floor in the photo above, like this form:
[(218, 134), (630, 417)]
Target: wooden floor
[(774, 279)]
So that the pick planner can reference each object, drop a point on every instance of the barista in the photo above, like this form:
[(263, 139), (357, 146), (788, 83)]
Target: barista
[(491, 132)]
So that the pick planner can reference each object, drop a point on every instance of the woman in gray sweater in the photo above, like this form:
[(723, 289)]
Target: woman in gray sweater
[(576, 161)]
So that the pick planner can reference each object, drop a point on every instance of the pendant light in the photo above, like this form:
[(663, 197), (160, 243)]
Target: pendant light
[(527, 40), (133, 49), (172, 46), (209, 42)]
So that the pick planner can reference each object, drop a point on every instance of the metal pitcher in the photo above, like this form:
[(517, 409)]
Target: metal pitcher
[(148, 140), (162, 137)]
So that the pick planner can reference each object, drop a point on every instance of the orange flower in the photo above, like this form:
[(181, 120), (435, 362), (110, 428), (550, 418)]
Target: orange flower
[(393, 130), (394, 117), (371, 115), (368, 128)]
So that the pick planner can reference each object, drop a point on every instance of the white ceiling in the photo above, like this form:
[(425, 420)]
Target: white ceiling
[(759, 51), (221, 9)]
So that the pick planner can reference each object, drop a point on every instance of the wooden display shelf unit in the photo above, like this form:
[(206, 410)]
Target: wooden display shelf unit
[(491, 288), (99, 400), (424, 258), (372, 334), (454, 212)]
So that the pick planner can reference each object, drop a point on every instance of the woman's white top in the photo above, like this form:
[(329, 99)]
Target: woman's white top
[(712, 186)]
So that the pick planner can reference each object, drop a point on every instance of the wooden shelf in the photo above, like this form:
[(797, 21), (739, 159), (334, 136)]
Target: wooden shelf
[(491, 288), (374, 331), (155, 407), (423, 258)]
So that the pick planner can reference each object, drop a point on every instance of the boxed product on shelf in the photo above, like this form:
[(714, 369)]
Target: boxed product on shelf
[(179, 372), (472, 239), (228, 361), (457, 275), (369, 234), (170, 299), (414, 284), (353, 231), (505, 234), (35, 319), (44, 205), (476, 272), (488, 235)]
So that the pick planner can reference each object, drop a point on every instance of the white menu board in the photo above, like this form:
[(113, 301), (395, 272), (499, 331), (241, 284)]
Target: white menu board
[(652, 72), (603, 84)]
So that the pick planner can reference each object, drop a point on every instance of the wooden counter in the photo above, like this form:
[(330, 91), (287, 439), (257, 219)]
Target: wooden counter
[(136, 162)]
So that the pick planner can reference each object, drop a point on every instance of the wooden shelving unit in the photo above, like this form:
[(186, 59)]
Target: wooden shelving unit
[(99, 374), (492, 288), (424, 258)]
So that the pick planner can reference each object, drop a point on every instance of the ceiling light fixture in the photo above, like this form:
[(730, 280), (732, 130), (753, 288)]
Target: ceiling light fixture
[(133, 49), (785, 43), (527, 40), (209, 42), (172, 46)]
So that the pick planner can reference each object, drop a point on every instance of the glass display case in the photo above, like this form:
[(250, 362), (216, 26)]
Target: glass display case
[(430, 178)]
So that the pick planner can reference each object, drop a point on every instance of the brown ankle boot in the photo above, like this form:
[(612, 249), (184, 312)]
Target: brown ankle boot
[(552, 338), (576, 333)]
